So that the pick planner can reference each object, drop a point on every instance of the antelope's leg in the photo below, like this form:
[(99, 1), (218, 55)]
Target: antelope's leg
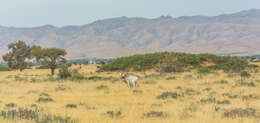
[(128, 83)]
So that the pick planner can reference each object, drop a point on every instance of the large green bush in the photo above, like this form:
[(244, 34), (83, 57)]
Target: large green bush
[(5, 68), (175, 62)]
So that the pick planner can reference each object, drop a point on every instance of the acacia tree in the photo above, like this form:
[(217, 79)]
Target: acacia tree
[(18, 56), (49, 56)]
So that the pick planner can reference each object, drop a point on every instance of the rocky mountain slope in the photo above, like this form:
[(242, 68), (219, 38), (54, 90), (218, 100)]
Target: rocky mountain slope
[(230, 33)]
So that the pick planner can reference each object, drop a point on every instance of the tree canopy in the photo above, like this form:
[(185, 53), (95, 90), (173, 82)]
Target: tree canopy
[(49, 57), (18, 56)]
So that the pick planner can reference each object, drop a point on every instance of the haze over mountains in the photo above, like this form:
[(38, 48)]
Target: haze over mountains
[(223, 34)]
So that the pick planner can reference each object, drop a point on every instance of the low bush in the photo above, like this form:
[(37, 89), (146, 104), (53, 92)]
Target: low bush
[(239, 112), (167, 95), (10, 105), (64, 72), (175, 62), (224, 102), (71, 106), (113, 114), (208, 100), (152, 114), (102, 87), (45, 99), (33, 115), (5, 68), (204, 70)]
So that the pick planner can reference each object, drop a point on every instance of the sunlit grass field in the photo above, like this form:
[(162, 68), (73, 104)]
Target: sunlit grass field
[(213, 98)]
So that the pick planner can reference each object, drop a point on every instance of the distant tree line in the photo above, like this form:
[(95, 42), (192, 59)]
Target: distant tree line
[(21, 55), (87, 61)]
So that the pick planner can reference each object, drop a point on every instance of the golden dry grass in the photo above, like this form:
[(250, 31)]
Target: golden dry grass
[(24, 89)]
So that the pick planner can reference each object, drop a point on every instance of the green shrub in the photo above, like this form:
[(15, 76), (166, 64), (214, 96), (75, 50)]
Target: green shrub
[(153, 114), (174, 62), (113, 114), (244, 75), (171, 69), (45, 99), (239, 112), (10, 105), (166, 95), (32, 115), (5, 68), (71, 106), (102, 87), (204, 70), (64, 72)]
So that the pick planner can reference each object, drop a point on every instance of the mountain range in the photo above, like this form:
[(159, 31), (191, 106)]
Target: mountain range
[(237, 33)]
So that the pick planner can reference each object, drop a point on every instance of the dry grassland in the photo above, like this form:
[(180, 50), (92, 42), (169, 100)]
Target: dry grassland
[(215, 98)]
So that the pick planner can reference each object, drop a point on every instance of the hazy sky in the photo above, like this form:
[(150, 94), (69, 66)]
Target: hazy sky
[(29, 13)]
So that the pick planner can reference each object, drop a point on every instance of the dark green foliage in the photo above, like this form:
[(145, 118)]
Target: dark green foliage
[(175, 62), (221, 82), (230, 64), (44, 94), (138, 62), (60, 88), (244, 75), (76, 76), (49, 56), (64, 72), (114, 114), (71, 106), (45, 99), (166, 95), (250, 97), (5, 68), (207, 89), (224, 102), (10, 105), (152, 114), (191, 92), (18, 56), (245, 83), (208, 100), (204, 70), (171, 69), (102, 87), (231, 96), (95, 78)]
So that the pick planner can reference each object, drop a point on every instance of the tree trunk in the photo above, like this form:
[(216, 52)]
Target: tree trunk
[(52, 71)]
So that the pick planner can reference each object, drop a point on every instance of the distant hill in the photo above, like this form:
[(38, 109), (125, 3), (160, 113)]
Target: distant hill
[(223, 34)]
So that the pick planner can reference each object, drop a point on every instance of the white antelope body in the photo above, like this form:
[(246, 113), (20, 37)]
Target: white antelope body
[(130, 80)]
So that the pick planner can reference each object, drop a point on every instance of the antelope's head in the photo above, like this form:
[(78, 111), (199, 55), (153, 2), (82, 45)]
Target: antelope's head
[(123, 75)]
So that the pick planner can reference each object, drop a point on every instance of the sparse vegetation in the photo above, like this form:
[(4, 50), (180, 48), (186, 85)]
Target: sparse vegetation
[(152, 114), (88, 95), (114, 114), (166, 95), (71, 106), (240, 112)]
